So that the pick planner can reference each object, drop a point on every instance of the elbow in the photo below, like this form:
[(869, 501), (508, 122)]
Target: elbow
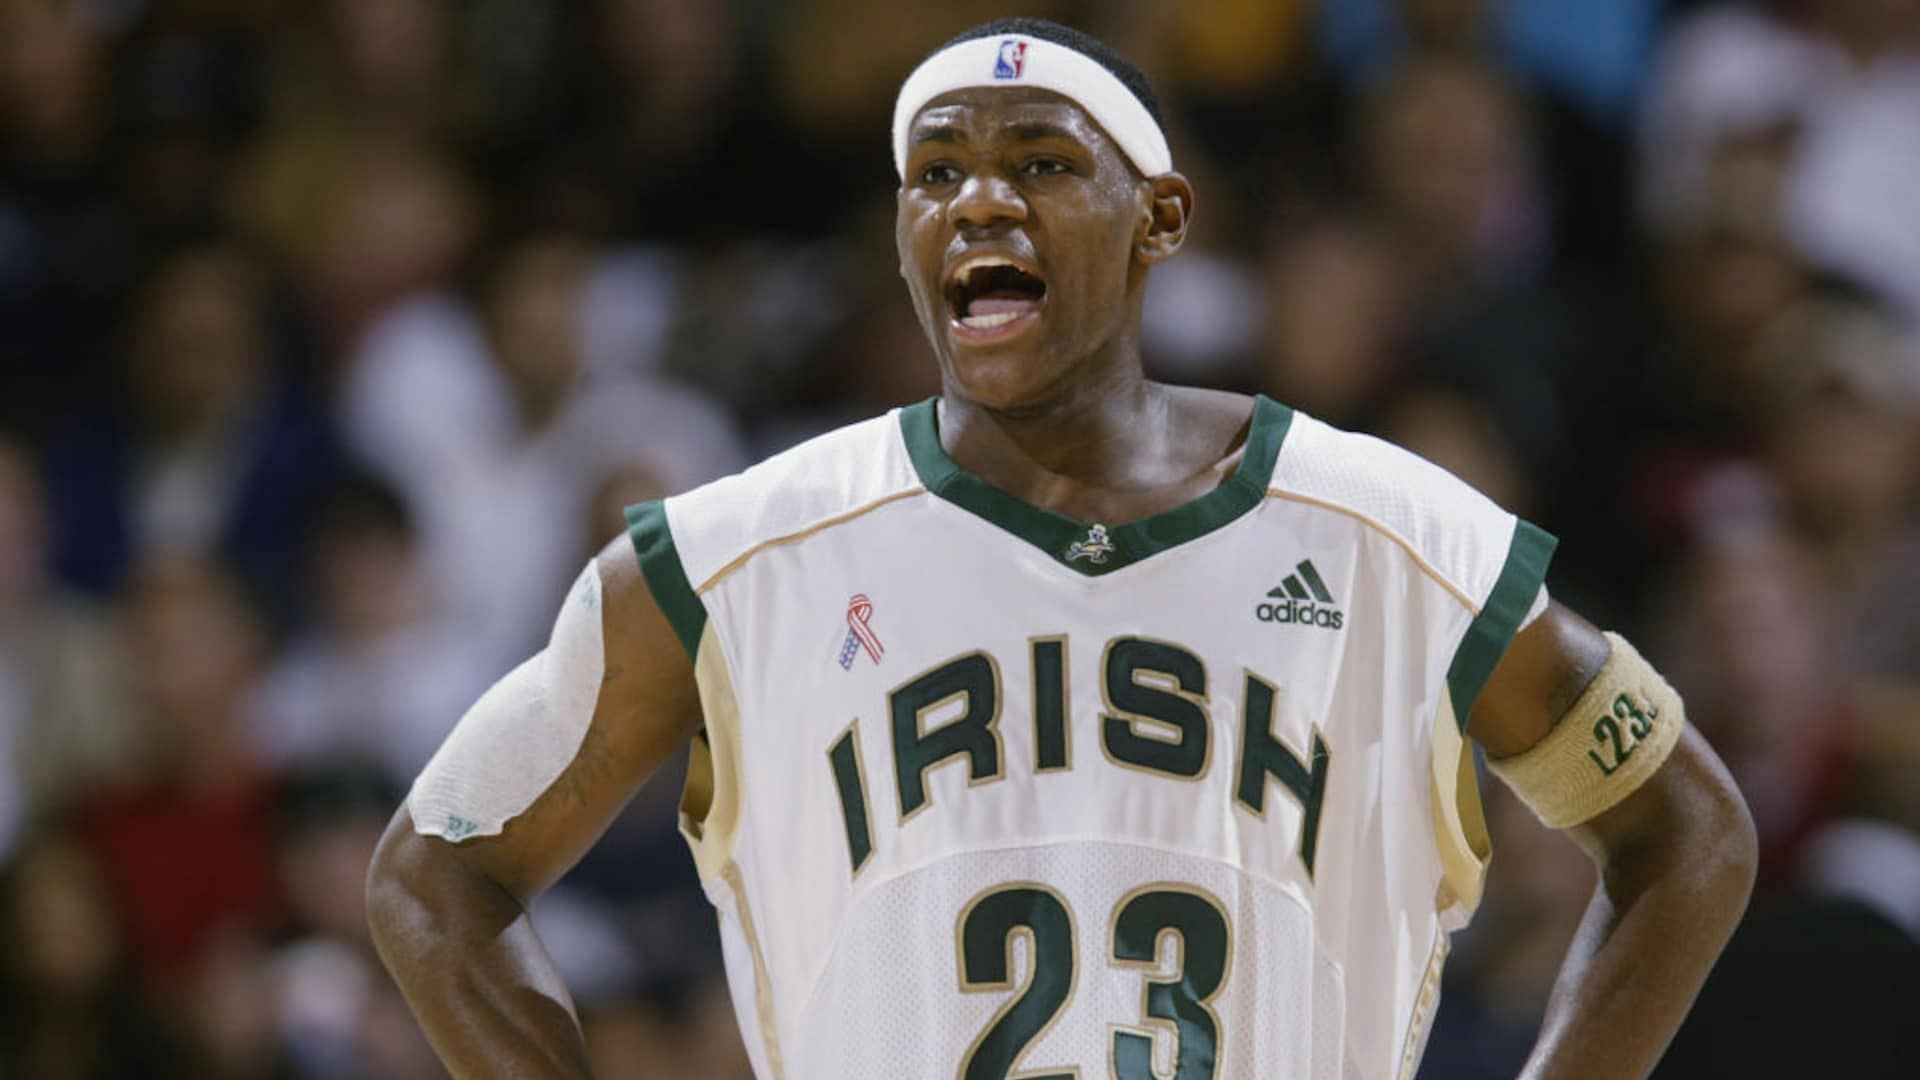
[(1718, 854), (1687, 836), (1735, 846), (392, 898), (1719, 846)]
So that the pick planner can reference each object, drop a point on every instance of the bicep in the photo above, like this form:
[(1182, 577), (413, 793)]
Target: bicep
[(1543, 674), (1545, 670), (639, 703)]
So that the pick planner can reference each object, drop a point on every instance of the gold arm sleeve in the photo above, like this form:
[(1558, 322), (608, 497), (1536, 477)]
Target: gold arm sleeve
[(1615, 737)]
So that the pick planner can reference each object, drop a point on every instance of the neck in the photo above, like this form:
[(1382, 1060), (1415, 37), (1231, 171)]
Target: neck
[(1090, 429)]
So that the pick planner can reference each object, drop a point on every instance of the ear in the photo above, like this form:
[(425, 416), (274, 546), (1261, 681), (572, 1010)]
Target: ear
[(1169, 208)]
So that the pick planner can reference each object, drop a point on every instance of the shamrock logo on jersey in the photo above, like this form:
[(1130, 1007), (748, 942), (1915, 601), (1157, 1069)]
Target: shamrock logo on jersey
[(1095, 548)]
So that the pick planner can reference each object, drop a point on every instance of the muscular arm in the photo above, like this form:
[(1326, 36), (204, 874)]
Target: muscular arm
[(450, 920), (1676, 861)]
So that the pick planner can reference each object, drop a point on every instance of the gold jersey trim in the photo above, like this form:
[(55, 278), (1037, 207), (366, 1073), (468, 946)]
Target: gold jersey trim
[(1405, 545), (795, 537)]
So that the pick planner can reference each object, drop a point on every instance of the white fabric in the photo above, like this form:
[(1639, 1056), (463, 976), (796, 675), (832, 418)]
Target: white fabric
[(522, 733), (829, 474), (1044, 64), (1332, 973), (1721, 74), (1451, 526), (502, 513), (1849, 201)]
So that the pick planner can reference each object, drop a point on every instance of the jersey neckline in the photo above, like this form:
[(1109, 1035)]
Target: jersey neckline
[(1094, 548)]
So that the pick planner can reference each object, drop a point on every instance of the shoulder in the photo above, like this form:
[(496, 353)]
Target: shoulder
[(1463, 537), (841, 472)]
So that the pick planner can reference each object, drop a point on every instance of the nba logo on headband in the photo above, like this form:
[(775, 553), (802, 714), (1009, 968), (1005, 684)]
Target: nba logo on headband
[(1012, 59), (1086, 82)]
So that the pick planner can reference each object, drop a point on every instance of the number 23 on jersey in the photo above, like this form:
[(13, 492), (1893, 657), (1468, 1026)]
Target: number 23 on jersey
[(1175, 1003)]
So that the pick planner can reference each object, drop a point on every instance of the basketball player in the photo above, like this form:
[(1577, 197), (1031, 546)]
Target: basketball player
[(1070, 725)]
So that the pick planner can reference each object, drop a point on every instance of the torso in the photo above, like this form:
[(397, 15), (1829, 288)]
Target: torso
[(987, 789)]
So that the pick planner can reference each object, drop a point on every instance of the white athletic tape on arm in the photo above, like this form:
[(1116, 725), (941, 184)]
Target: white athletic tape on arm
[(1017, 60), (1613, 739), (519, 737)]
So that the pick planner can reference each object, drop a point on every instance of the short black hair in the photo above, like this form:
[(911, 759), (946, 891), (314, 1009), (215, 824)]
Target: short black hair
[(362, 504), (1085, 44)]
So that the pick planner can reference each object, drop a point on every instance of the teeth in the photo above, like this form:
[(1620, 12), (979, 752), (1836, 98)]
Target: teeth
[(988, 322), (964, 272)]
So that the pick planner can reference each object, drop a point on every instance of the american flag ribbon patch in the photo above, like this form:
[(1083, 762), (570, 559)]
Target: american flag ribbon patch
[(860, 633)]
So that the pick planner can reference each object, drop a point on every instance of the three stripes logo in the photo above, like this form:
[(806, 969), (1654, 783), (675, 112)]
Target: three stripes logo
[(1301, 599)]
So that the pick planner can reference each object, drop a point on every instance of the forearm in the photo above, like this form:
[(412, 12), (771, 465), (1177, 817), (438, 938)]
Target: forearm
[(464, 954), (1657, 922)]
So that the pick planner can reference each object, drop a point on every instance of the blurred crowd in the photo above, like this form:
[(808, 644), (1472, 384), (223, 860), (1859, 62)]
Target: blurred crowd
[(334, 336)]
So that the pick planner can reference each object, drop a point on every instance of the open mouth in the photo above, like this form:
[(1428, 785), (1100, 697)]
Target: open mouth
[(989, 294)]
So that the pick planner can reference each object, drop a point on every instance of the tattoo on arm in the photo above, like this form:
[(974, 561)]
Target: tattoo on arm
[(592, 766)]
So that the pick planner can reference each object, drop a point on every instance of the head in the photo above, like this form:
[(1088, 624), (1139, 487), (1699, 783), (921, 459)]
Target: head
[(1446, 149), (328, 818), (1036, 192), (534, 304), (198, 340), (52, 65), (1336, 311), (389, 46), (58, 930), (366, 561), (194, 649), (1842, 434)]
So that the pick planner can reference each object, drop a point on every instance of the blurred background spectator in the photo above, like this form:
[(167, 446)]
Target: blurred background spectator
[(334, 337)]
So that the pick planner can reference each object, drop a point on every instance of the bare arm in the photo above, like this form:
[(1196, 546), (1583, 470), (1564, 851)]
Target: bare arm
[(1676, 861), (450, 920)]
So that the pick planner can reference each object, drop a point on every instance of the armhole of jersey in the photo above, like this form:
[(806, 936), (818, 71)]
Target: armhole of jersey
[(666, 578), (1459, 823), (710, 803)]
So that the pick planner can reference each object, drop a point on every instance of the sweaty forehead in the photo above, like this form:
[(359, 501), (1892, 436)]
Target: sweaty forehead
[(983, 111)]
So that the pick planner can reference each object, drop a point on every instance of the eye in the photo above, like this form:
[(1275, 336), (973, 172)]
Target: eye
[(939, 173), (1045, 166)]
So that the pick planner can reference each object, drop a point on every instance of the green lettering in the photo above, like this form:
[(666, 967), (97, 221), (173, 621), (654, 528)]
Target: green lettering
[(1131, 701), (852, 782), (974, 680), (1263, 755), (1050, 704)]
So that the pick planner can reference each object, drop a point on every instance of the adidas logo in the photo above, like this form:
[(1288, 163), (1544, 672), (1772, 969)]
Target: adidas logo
[(1302, 599)]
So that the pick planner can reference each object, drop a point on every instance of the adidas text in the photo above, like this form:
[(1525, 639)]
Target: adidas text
[(1302, 613)]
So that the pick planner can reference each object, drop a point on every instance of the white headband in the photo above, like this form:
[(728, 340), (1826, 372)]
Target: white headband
[(1018, 60)]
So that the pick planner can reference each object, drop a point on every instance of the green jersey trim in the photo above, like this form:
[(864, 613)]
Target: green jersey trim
[(666, 577), (1493, 629), (1091, 548)]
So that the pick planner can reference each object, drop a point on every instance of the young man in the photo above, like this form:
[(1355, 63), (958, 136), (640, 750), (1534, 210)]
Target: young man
[(1070, 725)]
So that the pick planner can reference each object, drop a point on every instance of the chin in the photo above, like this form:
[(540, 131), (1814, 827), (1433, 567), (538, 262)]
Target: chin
[(1002, 380)]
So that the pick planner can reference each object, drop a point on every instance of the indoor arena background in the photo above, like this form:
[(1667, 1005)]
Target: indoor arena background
[(334, 334)]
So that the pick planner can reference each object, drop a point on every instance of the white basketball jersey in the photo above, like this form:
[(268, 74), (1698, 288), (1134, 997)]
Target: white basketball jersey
[(985, 792)]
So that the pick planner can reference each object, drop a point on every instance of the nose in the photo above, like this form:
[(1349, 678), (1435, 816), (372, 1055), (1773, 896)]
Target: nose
[(983, 201)]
